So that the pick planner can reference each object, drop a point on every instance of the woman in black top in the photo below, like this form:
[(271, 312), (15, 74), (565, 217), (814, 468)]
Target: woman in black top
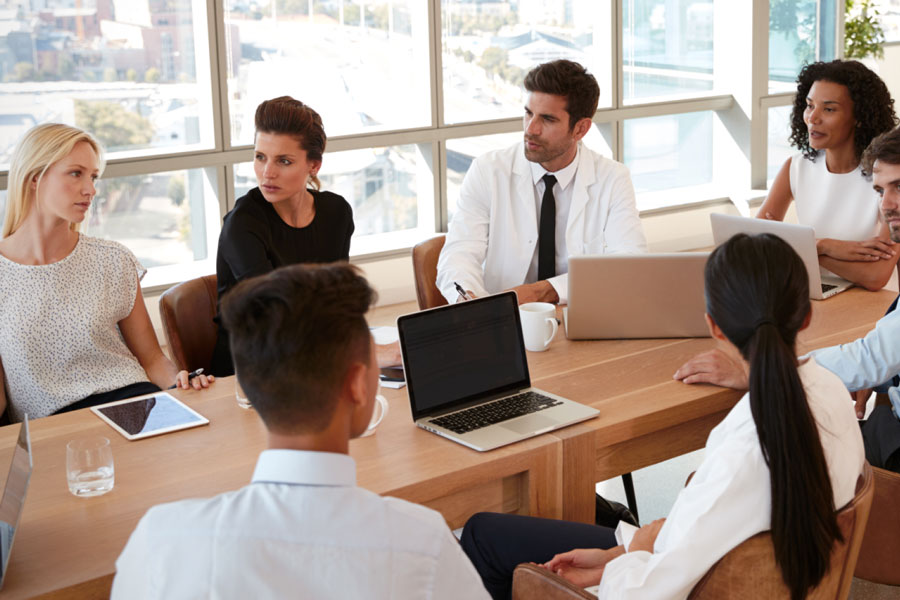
[(286, 220)]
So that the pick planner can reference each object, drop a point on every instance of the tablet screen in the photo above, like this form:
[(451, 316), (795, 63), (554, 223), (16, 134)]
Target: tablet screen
[(149, 415)]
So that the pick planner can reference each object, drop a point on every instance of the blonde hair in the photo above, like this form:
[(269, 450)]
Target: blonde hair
[(37, 151)]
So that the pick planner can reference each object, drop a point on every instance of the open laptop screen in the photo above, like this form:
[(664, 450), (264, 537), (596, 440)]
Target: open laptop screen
[(13, 500), (463, 352)]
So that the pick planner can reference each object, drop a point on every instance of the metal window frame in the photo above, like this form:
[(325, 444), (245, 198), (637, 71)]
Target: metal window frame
[(223, 156)]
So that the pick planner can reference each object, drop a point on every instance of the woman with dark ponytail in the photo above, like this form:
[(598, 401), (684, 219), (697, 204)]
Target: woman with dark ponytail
[(784, 459)]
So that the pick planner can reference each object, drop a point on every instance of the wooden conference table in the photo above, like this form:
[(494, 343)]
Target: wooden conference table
[(67, 546)]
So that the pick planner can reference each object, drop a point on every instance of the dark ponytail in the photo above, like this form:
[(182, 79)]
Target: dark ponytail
[(757, 292)]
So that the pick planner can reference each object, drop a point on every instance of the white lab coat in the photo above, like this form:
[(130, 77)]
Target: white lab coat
[(492, 238)]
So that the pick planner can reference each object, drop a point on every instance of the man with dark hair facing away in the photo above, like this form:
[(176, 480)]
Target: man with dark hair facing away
[(523, 210), (301, 528)]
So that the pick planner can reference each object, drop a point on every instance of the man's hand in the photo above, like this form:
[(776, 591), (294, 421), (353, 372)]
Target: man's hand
[(866, 251), (645, 537), (388, 355), (716, 367), (583, 567), (860, 397), (539, 291)]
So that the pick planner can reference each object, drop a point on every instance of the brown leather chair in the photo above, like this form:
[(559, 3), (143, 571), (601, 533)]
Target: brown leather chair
[(424, 258), (747, 572), (187, 312), (881, 542)]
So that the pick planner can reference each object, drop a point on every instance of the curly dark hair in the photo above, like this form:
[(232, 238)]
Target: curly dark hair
[(873, 107)]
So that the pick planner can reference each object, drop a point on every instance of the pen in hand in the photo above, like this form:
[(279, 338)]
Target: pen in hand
[(462, 293)]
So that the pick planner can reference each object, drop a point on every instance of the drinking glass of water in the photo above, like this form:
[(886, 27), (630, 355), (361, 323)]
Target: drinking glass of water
[(89, 466)]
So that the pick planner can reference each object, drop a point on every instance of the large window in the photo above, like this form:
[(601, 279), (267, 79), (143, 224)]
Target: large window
[(410, 92)]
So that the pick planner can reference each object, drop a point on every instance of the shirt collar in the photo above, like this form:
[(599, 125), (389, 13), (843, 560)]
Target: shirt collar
[(564, 176), (304, 467)]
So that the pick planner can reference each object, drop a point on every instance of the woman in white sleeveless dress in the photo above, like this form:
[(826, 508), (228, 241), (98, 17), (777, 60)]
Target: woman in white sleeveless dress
[(839, 108)]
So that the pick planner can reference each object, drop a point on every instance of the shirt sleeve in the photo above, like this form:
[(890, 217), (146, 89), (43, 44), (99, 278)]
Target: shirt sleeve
[(132, 581), (868, 361), (244, 246), (350, 228), (455, 577), (723, 505), (624, 232), (465, 248)]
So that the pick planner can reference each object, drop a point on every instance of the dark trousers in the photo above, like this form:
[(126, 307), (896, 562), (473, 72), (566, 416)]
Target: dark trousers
[(129, 391), (881, 436), (496, 543)]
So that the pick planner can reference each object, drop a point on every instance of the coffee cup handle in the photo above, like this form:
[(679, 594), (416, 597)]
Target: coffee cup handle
[(383, 406), (554, 327)]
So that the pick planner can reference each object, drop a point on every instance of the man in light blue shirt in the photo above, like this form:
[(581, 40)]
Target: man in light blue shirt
[(865, 363)]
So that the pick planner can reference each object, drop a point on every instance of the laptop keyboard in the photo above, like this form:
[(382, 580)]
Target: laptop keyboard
[(504, 409), (827, 287)]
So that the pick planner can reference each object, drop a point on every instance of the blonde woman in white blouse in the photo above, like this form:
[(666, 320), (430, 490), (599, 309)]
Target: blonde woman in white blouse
[(74, 330)]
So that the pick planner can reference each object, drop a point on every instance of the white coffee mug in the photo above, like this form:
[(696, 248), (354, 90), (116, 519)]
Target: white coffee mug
[(539, 325), (378, 414)]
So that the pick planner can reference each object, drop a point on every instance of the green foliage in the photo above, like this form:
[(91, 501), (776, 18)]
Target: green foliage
[(23, 71), (795, 20), (152, 75), (175, 189), (863, 33), (131, 75), (109, 74), (112, 124)]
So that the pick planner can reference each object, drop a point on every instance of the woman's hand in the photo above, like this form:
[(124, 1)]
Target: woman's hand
[(583, 567), (866, 251), (645, 537), (184, 381)]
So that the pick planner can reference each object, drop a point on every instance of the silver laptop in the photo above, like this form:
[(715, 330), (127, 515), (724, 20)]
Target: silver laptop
[(801, 238), (467, 375), (625, 296), (13, 500)]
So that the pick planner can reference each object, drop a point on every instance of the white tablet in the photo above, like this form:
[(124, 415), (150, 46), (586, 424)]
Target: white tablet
[(151, 414)]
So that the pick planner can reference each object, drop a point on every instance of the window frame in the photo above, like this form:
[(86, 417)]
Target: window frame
[(750, 98)]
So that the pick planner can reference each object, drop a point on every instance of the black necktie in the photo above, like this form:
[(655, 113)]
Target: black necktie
[(547, 231)]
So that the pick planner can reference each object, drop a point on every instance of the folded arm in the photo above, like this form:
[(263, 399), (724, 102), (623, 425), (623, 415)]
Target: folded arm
[(137, 332), (462, 258), (867, 361)]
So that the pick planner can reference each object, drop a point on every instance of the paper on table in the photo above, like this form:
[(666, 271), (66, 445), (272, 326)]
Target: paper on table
[(385, 335), (394, 385)]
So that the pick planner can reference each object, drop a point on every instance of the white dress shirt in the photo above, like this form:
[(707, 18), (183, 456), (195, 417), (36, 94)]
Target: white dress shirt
[(301, 529), (562, 195), (492, 239), (729, 498), (868, 361)]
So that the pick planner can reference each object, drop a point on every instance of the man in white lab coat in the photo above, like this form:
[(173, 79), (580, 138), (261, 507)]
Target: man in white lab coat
[(509, 230)]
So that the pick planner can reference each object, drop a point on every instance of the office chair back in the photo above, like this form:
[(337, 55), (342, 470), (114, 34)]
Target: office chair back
[(425, 258), (881, 542), (187, 311)]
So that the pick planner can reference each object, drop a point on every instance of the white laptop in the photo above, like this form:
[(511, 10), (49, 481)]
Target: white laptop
[(467, 375), (801, 238), (13, 501), (625, 296)]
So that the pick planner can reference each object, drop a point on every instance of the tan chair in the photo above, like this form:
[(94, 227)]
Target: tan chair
[(187, 312), (747, 572), (424, 258), (881, 542)]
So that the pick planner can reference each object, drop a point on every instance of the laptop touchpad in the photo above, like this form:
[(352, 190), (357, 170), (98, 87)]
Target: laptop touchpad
[(529, 423)]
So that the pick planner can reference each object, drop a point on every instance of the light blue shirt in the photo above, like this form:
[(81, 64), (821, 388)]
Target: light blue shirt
[(868, 361)]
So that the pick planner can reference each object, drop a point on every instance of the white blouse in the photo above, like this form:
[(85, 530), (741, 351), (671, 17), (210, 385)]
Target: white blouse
[(729, 498), (59, 334), (840, 206)]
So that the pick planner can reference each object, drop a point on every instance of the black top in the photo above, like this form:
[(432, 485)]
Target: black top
[(255, 240)]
